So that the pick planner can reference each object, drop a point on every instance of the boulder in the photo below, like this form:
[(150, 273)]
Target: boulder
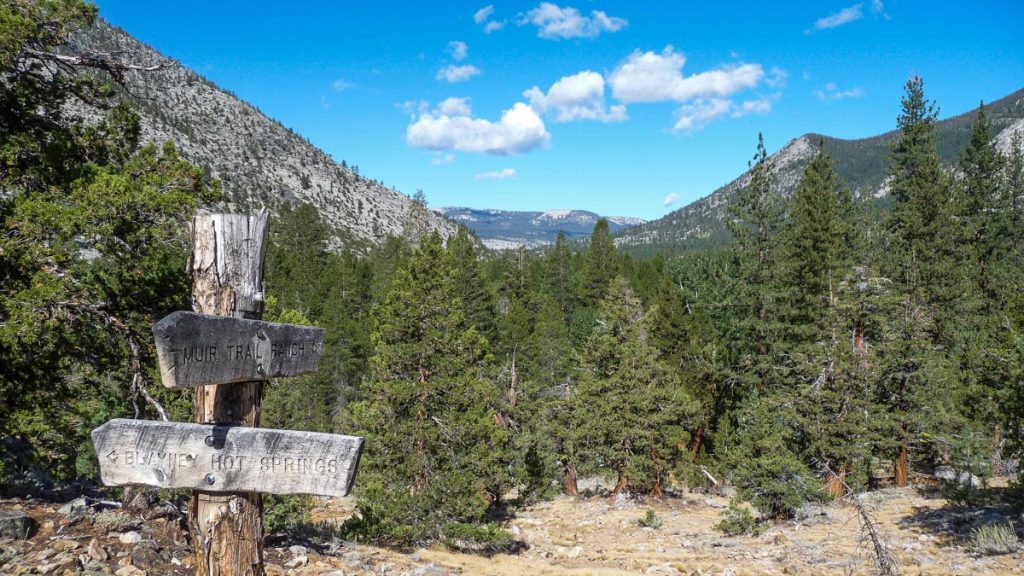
[(952, 475), (16, 525)]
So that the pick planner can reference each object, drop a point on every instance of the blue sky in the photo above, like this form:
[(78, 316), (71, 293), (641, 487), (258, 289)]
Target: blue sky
[(612, 106)]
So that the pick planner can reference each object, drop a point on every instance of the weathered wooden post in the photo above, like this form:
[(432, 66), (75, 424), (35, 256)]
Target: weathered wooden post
[(227, 280), (226, 353)]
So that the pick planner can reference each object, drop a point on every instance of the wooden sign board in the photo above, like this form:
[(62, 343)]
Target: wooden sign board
[(225, 458), (199, 349)]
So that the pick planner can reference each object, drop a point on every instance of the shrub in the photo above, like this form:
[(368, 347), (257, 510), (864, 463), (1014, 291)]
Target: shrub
[(651, 520), (286, 513), (994, 538), (739, 521), (477, 537)]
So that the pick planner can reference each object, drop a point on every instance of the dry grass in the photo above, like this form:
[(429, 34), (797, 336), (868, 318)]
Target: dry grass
[(600, 537)]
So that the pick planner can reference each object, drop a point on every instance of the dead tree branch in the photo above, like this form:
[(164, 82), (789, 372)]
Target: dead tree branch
[(139, 379), (883, 556)]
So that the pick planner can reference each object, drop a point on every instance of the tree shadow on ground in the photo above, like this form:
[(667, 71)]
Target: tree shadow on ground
[(953, 522)]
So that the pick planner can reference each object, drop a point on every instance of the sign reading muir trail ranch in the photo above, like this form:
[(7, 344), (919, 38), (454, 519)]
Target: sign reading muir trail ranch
[(225, 458), (199, 350)]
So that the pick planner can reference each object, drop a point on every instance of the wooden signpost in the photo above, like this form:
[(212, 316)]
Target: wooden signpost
[(226, 353)]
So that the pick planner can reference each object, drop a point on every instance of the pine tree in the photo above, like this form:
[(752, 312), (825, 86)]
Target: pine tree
[(543, 370), (922, 233), (980, 209), (600, 266), (560, 275), (753, 217), (919, 378), (686, 342), (472, 290), (437, 455), (818, 245), (631, 413)]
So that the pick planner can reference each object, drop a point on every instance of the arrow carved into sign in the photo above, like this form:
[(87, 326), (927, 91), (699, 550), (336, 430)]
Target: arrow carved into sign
[(200, 350)]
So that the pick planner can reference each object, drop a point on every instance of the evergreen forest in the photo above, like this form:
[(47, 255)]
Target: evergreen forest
[(831, 347)]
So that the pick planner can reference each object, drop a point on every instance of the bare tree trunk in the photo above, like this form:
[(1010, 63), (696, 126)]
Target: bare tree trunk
[(837, 484), (622, 484), (902, 464), (570, 481), (227, 268), (698, 442)]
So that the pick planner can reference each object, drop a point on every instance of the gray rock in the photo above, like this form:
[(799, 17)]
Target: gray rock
[(946, 473), (145, 556), (298, 550), (296, 562), (952, 475), (70, 507), (112, 521), (77, 510), (353, 556), (623, 502), (16, 525)]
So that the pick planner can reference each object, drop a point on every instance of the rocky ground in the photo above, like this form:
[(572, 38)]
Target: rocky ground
[(600, 536)]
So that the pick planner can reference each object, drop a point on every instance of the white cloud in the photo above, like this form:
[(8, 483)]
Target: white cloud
[(697, 114), (576, 97), (454, 107), (453, 73), (554, 22), (458, 50), (776, 77), (831, 91), (671, 199), (518, 131), (761, 105), (700, 113), (877, 7), (340, 85), (481, 15), (844, 16), (325, 103), (442, 159), (497, 175), (650, 77)]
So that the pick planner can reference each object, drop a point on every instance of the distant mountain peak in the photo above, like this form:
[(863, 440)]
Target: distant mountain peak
[(509, 229)]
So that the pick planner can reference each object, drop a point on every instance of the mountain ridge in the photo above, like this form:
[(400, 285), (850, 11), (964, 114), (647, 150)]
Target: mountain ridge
[(508, 229), (860, 163), (260, 162)]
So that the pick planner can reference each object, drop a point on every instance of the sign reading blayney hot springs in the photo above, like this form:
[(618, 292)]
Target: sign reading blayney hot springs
[(225, 458), (199, 350)]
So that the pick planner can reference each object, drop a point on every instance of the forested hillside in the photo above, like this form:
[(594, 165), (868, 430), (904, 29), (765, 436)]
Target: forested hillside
[(826, 350), (860, 165)]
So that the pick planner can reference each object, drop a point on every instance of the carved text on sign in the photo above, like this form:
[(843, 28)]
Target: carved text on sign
[(199, 350), (225, 458)]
